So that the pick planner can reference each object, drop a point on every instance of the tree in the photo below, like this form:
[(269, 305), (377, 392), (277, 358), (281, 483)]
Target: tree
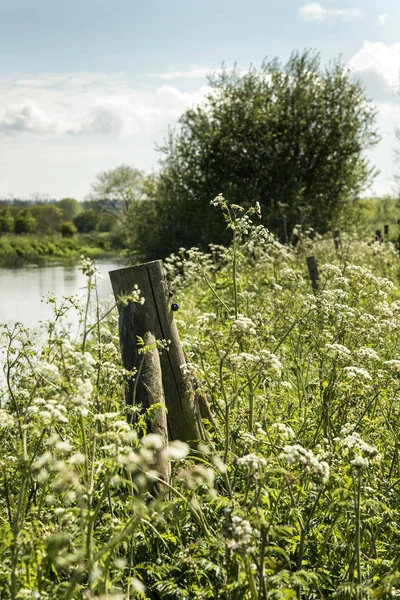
[(70, 206), (25, 222), (118, 190), (86, 221), (6, 221), (49, 218), (291, 137)]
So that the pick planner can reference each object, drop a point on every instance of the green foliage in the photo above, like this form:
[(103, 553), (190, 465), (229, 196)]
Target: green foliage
[(68, 229), (70, 206), (49, 218), (25, 222), (86, 221), (291, 137), (16, 250), (296, 494), (6, 221)]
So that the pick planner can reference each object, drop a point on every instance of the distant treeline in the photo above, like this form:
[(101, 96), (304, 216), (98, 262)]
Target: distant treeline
[(49, 217)]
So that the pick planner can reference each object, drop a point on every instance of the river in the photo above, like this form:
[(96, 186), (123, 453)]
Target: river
[(22, 289)]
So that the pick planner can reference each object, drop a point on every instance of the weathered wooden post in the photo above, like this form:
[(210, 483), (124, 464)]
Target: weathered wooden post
[(337, 239), (386, 230), (313, 272), (161, 379), (378, 236)]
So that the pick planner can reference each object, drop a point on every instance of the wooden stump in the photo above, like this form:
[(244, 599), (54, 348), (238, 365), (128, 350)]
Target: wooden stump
[(337, 239), (154, 320), (313, 272)]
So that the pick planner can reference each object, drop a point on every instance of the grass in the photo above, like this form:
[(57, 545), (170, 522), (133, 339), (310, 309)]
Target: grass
[(297, 490)]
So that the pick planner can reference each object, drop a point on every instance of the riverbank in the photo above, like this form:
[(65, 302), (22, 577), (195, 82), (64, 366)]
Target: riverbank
[(17, 250)]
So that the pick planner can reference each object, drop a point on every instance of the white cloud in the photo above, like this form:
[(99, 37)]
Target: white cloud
[(80, 104), (317, 13), (382, 19), (192, 73), (59, 130), (377, 65)]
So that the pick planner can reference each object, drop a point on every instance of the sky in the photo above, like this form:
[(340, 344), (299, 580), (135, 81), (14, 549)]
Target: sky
[(88, 85)]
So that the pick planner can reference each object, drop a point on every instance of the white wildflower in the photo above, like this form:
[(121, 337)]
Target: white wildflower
[(339, 349), (152, 440), (242, 533), (177, 450), (6, 419), (359, 462), (48, 371), (63, 446), (368, 353), (355, 443), (242, 325), (296, 454), (251, 462), (283, 431), (355, 372)]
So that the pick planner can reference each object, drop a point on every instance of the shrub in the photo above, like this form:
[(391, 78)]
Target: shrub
[(68, 229)]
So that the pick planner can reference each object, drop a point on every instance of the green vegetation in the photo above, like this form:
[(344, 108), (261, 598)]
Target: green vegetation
[(296, 493), (290, 137), (19, 249)]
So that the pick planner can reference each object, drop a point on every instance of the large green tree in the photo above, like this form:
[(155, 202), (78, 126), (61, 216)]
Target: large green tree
[(291, 137)]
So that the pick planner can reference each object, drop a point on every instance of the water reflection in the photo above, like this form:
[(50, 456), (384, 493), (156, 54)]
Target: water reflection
[(21, 290)]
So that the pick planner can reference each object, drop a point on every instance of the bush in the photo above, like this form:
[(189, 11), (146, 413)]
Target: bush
[(68, 229), (86, 221), (6, 221), (25, 222)]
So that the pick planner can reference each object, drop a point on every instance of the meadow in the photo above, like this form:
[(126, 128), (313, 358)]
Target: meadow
[(295, 492)]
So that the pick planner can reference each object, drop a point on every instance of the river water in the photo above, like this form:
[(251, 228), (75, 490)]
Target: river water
[(22, 289)]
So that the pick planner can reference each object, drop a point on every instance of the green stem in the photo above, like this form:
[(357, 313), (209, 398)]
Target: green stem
[(358, 525)]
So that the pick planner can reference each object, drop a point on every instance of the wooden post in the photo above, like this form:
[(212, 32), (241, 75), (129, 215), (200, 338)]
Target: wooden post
[(337, 239), (313, 272), (386, 229), (154, 320), (378, 235)]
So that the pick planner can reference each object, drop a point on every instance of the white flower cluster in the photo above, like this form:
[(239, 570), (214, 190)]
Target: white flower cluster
[(83, 394), (264, 358), (368, 354), (77, 359), (88, 267), (355, 443), (355, 372), (339, 349), (243, 325), (242, 533), (289, 274), (6, 419), (133, 296), (395, 364), (271, 361), (205, 319), (219, 201), (251, 462), (282, 431), (48, 371), (360, 462), (296, 454), (48, 410)]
